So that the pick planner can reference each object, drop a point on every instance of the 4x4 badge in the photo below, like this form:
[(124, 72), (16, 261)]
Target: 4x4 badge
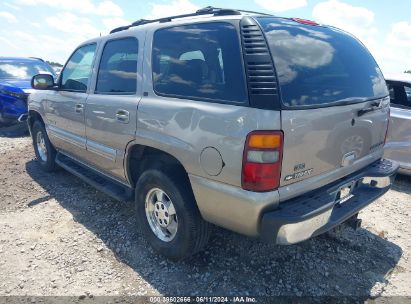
[(299, 174)]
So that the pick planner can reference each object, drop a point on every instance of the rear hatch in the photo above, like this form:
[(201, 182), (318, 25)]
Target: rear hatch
[(334, 99)]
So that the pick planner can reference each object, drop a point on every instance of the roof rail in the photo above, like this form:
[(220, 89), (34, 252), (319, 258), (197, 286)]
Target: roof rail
[(37, 58), (209, 10)]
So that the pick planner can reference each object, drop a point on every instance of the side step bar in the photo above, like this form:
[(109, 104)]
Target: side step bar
[(102, 183)]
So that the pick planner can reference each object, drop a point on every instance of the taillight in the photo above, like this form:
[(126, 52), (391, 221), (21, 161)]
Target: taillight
[(262, 158)]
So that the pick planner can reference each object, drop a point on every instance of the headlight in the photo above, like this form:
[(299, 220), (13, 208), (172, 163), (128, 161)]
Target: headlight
[(22, 96)]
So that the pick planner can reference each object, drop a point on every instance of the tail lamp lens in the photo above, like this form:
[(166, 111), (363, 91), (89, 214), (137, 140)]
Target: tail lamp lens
[(262, 161), (264, 141)]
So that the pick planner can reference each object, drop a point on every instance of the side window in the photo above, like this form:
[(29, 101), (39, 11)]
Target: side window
[(205, 64), (391, 91), (77, 71), (400, 95), (117, 73), (408, 93)]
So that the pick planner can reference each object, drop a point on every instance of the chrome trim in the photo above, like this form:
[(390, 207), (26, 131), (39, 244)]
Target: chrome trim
[(123, 116), (66, 136), (377, 182), (297, 232), (79, 108), (348, 159), (405, 171), (101, 150), (23, 117), (41, 146), (161, 215), (301, 231)]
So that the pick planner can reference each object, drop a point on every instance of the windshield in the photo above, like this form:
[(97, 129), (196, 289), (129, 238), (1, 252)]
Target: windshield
[(23, 70), (319, 65)]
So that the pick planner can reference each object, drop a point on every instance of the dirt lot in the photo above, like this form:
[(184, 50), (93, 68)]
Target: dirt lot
[(59, 236)]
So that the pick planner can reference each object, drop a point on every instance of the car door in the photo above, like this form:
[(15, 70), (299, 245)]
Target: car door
[(111, 109), (398, 145), (65, 106)]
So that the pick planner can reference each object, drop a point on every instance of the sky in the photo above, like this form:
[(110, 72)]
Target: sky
[(52, 29)]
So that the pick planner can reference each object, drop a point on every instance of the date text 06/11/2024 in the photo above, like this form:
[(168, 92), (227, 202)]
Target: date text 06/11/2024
[(206, 299)]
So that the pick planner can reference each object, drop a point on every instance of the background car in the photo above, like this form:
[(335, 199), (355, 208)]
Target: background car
[(398, 146), (57, 69), (15, 78)]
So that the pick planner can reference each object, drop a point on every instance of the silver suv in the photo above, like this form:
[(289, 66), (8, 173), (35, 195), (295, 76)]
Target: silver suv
[(267, 126)]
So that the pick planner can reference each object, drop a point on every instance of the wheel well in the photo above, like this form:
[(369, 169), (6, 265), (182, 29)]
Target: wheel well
[(142, 157), (33, 116)]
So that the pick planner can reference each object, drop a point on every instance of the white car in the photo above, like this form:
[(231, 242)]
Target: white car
[(398, 146), (57, 70)]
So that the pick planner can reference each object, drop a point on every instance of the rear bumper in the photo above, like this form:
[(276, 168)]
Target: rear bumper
[(405, 171), (319, 211)]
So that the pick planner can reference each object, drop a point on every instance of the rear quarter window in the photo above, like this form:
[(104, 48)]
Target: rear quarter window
[(320, 66), (199, 61)]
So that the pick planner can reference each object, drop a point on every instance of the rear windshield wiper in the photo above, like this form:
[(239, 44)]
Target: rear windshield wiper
[(373, 107)]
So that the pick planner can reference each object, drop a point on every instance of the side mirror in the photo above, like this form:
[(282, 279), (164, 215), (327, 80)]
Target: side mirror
[(42, 82)]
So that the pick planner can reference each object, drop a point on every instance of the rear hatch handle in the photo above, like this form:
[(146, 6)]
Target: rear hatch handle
[(373, 107)]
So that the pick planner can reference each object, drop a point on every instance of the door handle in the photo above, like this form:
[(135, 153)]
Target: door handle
[(79, 108), (123, 116)]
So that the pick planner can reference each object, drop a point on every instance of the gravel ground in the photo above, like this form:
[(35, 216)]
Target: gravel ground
[(59, 236)]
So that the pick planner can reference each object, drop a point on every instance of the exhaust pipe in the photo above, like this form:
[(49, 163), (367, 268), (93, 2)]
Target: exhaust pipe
[(23, 117)]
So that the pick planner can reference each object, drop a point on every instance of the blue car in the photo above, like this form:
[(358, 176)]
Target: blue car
[(15, 85)]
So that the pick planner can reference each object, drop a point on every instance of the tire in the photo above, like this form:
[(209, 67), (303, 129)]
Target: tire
[(192, 232), (44, 150)]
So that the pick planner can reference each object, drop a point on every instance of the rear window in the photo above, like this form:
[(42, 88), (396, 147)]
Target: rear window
[(23, 70), (320, 66)]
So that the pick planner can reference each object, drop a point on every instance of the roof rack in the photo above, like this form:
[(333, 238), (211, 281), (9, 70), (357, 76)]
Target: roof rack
[(37, 58), (209, 10)]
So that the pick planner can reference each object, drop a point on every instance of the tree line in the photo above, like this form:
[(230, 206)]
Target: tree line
[(55, 64)]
